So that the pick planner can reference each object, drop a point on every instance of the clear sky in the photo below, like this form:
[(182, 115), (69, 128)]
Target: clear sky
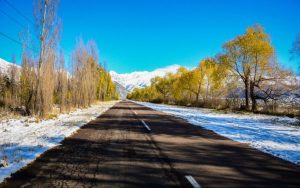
[(135, 35)]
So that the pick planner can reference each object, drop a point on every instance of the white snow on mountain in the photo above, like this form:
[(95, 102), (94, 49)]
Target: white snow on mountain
[(4, 66), (142, 78)]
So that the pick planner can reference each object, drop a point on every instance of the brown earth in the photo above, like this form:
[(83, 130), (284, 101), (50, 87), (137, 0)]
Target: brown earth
[(116, 150)]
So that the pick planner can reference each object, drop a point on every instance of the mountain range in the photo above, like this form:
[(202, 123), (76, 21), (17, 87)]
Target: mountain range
[(5, 65), (142, 78)]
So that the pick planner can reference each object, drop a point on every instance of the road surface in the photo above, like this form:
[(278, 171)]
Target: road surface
[(134, 146)]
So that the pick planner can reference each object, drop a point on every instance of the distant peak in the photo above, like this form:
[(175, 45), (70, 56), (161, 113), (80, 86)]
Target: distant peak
[(167, 68), (138, 79), (5, 65)]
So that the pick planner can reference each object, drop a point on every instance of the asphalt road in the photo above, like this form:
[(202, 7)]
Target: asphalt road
[(118, 150)]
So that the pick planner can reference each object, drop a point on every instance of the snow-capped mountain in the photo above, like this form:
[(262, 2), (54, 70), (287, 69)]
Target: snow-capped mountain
[(142, 78), (5, 66), (122, 91)]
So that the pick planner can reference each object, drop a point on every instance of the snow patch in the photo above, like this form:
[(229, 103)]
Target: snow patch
[(271, 134), (23, 140)]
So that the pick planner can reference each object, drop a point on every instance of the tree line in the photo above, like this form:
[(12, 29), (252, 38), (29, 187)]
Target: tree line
[(43, 81), (245, 75)]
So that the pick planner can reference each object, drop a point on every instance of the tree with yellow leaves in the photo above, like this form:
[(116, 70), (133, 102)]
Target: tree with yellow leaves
[(249, 57), (192, 82), (247, 63)]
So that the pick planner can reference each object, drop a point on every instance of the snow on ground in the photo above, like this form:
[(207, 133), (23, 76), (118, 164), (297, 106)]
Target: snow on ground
[(22, 140), (270, 134)]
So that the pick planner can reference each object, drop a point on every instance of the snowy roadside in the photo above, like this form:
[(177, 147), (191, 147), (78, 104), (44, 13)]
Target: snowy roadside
[(23, 140), (270, 134)]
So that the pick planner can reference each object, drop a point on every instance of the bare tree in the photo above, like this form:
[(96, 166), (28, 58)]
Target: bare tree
[(13, 76), (61, 82), (27, 82), (48, 29), (295, 51)]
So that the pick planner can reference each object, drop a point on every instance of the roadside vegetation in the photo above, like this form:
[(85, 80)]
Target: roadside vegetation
[(245, 75), (44, 83)]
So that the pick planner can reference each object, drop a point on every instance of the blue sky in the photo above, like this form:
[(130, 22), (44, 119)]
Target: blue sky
[(135, 35)]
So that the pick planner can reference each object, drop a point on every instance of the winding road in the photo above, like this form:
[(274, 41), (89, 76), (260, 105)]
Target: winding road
[(134, 146)]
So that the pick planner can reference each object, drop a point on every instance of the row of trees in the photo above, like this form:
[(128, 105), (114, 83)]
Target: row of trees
[(43, 80), (86, 82), (242, 76)]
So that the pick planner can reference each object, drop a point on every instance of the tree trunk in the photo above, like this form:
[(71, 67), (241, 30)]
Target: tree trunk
[(252, 95), (207, 87), (198, 93), (247, 93), (39, 93), (197, 99)]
